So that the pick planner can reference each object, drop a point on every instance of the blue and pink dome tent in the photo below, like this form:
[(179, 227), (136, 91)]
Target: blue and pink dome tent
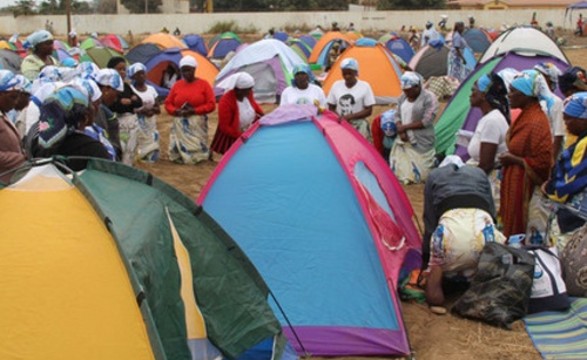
[(327, 225)]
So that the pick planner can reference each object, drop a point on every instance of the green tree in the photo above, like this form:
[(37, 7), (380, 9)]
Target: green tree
[(24, 7), (410, 4)]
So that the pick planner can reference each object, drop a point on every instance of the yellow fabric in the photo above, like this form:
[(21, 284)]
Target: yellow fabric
[(196, 328), (65, 290)]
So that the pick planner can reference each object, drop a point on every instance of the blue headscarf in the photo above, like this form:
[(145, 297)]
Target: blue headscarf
[(410, 79), (87, 69), (494, 88), (350, 63), (387, 123), (302, 68), (38, 37), (8, 80), (577, 106), (60, 115), (532, 83)]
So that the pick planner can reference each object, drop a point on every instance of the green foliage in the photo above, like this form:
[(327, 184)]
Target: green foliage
[(410, 4), (224, 26), (105, 6), (24, 8), (138, 6)]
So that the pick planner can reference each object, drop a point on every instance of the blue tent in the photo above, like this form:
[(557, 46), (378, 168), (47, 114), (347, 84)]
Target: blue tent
[(281, 36), (309, 40), (309, 201), (196, 42), (142, 53), (222, 47), (401, 48), (477, 39)]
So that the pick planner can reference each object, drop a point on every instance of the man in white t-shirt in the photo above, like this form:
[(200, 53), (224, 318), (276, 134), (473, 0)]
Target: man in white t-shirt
[(302, 91), (352, 99)]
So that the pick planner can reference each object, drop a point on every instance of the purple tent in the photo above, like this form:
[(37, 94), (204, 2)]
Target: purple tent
[(196, 43)]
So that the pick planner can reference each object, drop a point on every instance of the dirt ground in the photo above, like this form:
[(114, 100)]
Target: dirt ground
[(432, 337)]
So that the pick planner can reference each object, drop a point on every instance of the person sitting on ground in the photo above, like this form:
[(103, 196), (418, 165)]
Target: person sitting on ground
[(170, 76), (412, 156), (302, 90), (64, 116), (351, 27), (237, 111), (42, 44), (333, 54), (459, 218), (335, 27), (270, 34), (352, 99), (176, 32)]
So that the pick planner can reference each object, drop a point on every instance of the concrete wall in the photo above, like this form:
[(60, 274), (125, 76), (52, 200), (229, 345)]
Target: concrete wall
[(201, 23)]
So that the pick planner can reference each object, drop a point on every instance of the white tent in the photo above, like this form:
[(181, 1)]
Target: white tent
[(523, 39)]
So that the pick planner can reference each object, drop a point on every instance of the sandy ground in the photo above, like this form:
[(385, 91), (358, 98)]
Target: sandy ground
[(432, 337)]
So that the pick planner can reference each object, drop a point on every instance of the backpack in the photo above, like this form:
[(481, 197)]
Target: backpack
[(549, 292), (500, 289)]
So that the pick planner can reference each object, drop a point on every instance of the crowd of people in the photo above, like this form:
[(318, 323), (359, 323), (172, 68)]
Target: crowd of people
[(501, 191)]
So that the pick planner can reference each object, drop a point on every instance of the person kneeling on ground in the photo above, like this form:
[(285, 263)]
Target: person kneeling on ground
[(458, 221)]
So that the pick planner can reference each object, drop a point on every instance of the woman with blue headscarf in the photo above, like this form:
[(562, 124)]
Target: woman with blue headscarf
[(528, 160), (11, 154), (302, 90), (148, 135), (568, 185), (41, 43), (64, 116)]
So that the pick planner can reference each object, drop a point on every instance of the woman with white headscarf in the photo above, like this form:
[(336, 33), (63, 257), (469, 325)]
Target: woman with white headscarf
[(41, 43), (190, 100), (237, 111), (148, 135), (412, 154)]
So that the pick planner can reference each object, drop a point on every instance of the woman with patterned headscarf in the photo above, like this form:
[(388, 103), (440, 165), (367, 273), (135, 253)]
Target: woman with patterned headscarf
[(148, 135), (302, 90), (237, 111), (11, 154), (555, 112), (42, 44), (488, 142), (528, 160), (457, 65), (412, 155), (64, 116)]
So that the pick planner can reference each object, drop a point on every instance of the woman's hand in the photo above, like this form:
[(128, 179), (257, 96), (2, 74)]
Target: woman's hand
[(508, 159)]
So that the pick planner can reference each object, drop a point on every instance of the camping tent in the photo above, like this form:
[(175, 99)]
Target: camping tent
[(281, 36), (157, 65), (119, 265), (89, 43), (376, 66), (142, 53), (114, 42), (101, 55), (398, 46), (309, 40), (196, 43), (320, 50), (164, 41), (477, 39), (224, 44), (433, 61), (524, 39), (575, 6), (458, 112), (9, 60), (300, 47), (327, 225), (270, 62)]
